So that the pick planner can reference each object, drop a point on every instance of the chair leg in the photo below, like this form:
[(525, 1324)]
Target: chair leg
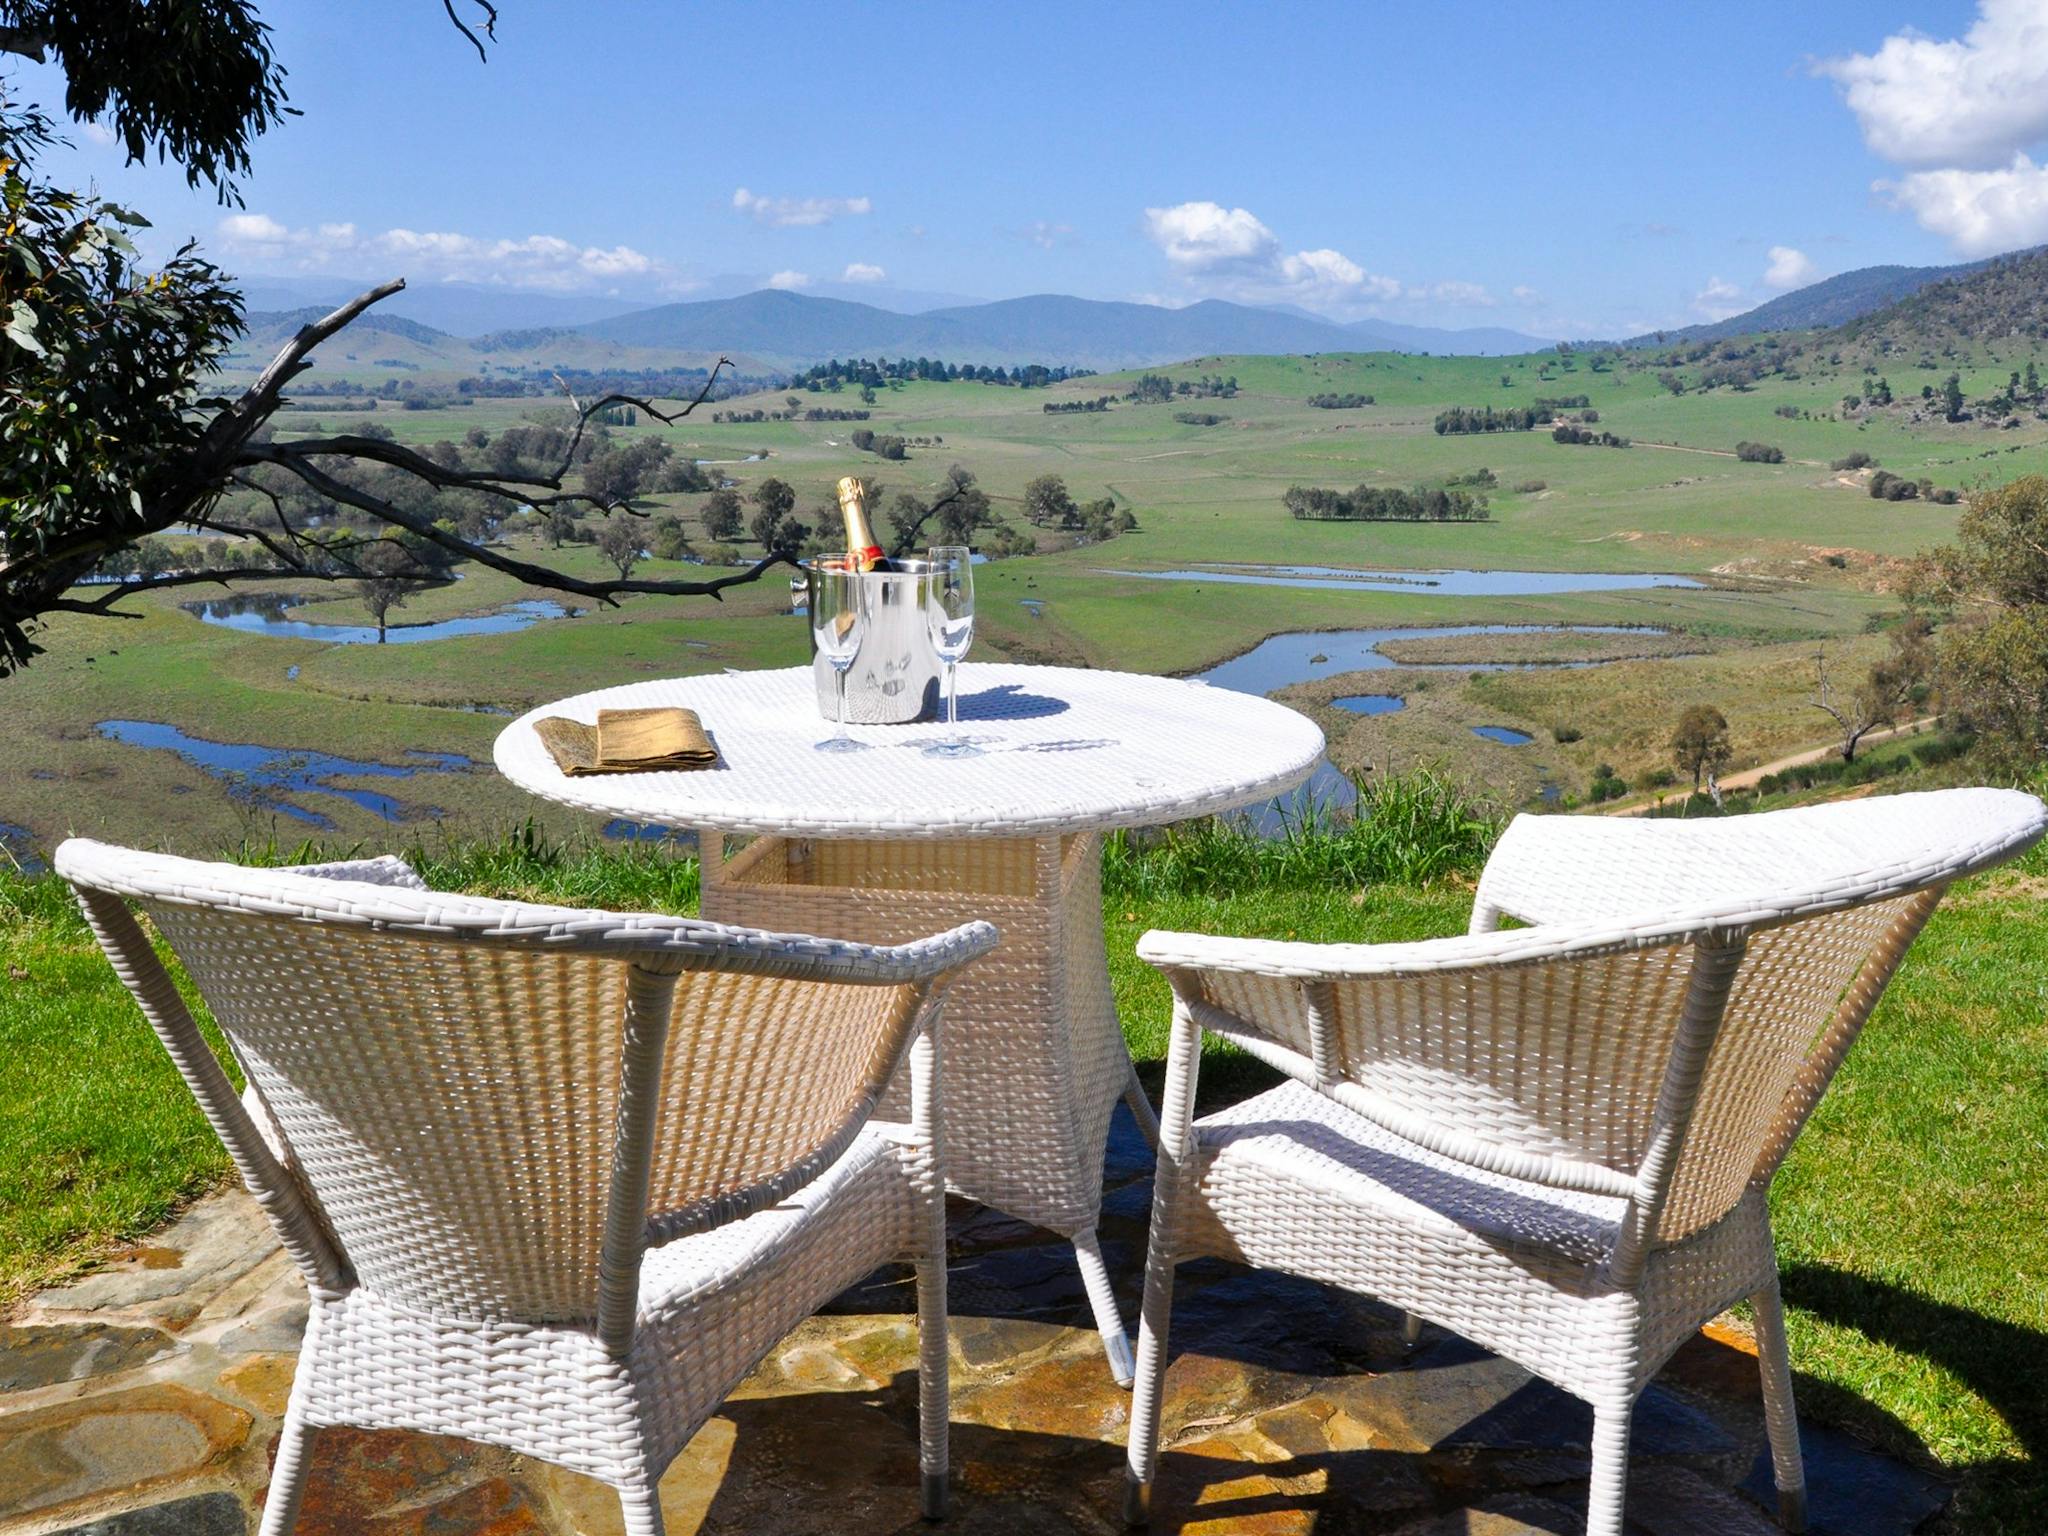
[(1141, 1107), (1780, 1415), (1609, 1487), (640, 1506), (1411, 1329), (1155, 1317), (934, 1410), (1102, 1297), (288, 1473)]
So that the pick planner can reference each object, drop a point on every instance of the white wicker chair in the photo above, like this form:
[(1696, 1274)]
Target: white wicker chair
[(1556, 1140), (557, 1179)]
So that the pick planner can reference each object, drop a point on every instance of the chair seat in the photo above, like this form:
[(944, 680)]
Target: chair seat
[(1293, 1135), (709, 1305)]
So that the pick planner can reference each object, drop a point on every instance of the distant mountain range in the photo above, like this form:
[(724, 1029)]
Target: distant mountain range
[(1833, 301), (798, 328), (787, 329)]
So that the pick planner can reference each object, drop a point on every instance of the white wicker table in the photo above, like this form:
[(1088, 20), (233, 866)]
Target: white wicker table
[(889, 845)]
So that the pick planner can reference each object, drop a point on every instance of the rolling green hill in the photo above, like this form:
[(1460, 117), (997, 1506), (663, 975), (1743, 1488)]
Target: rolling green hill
[(1835, 301)]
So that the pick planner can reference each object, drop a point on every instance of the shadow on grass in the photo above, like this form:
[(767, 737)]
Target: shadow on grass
[(2004, 1363)]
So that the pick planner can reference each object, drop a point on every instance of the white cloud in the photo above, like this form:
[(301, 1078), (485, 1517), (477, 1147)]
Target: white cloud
[(1230, 251), (790, 280), (1719, 299), (797, 212), (1524, 294), (101, 134), (1789, 268), (1979, 212), (1972, 101), (545, 262), (863, 272)]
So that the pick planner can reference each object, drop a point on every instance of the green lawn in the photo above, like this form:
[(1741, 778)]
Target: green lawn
[(1910, 1218)]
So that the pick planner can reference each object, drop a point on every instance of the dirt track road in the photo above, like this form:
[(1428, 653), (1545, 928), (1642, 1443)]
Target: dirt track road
[(1750, 777)]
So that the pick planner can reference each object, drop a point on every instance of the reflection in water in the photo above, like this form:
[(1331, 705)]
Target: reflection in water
[(1371, 703), (263, 613), (1504, 735), (264, 776), (619, 829), (1460, 583)]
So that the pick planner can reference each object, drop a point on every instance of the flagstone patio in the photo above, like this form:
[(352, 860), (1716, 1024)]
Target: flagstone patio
[(145, 1400)]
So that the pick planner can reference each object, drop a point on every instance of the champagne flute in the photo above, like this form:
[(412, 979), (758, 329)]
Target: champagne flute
[(949, 618), (839, 614)]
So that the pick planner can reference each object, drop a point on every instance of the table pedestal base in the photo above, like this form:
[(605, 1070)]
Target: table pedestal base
[(1034, 1059)]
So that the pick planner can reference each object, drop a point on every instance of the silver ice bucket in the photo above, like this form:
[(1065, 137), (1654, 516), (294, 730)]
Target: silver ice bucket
[(896, 674)]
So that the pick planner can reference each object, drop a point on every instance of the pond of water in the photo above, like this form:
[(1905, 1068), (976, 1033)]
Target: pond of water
[(263, 613), (1371, 703), (1281, 660), (267, 776), (1305, 654), (17, 847), (1502, 734), (1456, 583)]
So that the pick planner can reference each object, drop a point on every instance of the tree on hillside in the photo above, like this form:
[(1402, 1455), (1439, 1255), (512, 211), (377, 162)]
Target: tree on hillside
[(1991, 657), (721, 514), (1701, 746), (390, 575), (622, 540), (1952, 397), (108, 434), (1047, 503), (775, 497), (1894, 681)]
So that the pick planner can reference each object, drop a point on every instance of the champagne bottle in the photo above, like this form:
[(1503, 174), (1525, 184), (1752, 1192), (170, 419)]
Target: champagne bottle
[(862, 552)]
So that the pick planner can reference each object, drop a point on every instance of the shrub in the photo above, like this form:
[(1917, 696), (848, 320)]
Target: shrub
[(1759, 453), (1605, 787), (1531, 487), (1406, 829), (1198, 418), (1564, 734), (1857, 460)]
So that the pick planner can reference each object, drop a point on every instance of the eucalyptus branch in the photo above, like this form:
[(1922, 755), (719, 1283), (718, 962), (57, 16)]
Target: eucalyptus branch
[(490, 25)]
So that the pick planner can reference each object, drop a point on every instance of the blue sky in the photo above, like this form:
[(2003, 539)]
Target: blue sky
[(1582, 170)]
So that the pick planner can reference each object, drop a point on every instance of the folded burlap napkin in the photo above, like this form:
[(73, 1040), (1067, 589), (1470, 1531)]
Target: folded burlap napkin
[(628, 741)]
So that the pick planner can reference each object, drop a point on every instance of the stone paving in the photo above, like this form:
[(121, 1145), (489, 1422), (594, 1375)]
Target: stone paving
[(145, 1401)]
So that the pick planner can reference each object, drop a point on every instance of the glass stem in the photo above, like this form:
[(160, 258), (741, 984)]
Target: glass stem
[(840, 674), (953, 701)]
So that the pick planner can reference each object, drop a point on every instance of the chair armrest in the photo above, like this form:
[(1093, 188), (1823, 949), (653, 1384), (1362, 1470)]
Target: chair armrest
[(386, 869)]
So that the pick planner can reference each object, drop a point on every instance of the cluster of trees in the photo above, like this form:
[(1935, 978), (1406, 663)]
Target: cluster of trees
[(880, 373), (1159, 388), (1759, 453), (517, 383), (1485, 418), (1563, 402), (1886, 486), (1857, 459), (1339, 402), (813, 413), (1385, 504), (887, 447), (1049, 504), (1199, 418), (1078, 407), (1567, 433)]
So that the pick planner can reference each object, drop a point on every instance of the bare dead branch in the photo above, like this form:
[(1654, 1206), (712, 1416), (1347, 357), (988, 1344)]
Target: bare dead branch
[(527, 571), (666, 418), (490, 25)]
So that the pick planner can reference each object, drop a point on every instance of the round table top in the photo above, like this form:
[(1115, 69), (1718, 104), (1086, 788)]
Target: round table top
[(1064, 750)]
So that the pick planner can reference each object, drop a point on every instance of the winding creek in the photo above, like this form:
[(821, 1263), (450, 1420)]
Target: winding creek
[(286, 780), (263, 613)]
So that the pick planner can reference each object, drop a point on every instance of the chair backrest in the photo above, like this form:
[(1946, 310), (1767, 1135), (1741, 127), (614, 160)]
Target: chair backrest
[(485, 1104), (1664, 1028)]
